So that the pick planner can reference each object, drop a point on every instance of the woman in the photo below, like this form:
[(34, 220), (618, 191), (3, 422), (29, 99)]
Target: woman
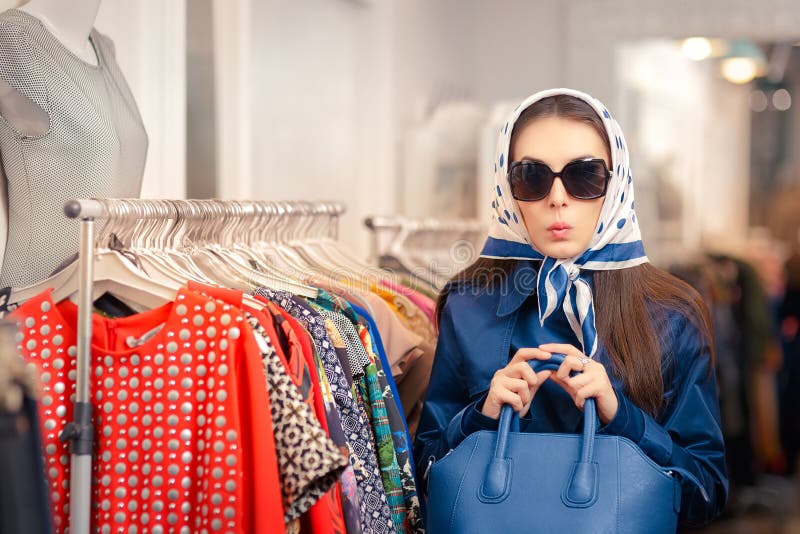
[(564, 271)]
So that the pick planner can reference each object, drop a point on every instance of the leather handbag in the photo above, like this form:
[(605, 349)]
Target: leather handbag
[(507, 481)]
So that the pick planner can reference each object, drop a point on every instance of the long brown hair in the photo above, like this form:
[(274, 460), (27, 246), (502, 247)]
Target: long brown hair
[(640, 295)]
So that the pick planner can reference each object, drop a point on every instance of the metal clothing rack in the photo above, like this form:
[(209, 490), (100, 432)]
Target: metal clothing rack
[(226, 217)]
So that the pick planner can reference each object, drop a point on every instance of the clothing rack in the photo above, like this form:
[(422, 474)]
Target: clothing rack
[(225, 221), (440, 247)]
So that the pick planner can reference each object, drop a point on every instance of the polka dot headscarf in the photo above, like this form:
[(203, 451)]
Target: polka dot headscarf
[(616, 243)]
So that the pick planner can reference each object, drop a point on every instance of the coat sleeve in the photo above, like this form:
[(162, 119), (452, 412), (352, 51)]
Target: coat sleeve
[(687, 434)]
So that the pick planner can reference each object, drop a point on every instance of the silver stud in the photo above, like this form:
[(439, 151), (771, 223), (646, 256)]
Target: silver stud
[(186, 508), (158, 481), (184, 334), (133, 432), (173, 470), (46, 353), (172, 346), (181, 309), (46, 377), (222, 395), (147, 396), (223, 344), (172, 371), (216, 499), (158, 457), (133, 407), (216, 524), (44, 330), (58, 340), (201, 420), (186, 383), (158, 432), (144, 518), (173, 444), (230, 486), (211, 331), (135, 359), (222, 370), (105, 505), (121, 444), (186, 483), (120, 493), (172, 495), (133, 529), (210, 307), (200, 395), (172, 518), (59, 388), (123, 372), (159, 359), (107, 431), (172, 420), (119, 517), (186, 434), (200, 345), (158, 506), (186, 408), (234, 332), (146, 470), (158, 383), (212, 356), (145, 491), (147, 420), (50, 449), (230, 460), (220, 421), (231, 435), (64, 460), (108, 407), (58, 363), (198, 320), (53, 472), (217, 473), (108, 383), (201, 370), (133, 456), (120, 468), (186, 358), (211, 382), (134, 383), (173, 395), (72, 375), (106, 480), (98, 371), (108, 361), (132, 482), (158, 408), (30, 322), (98, 396), (106, 456), (31, 344), (122, 419), (219, 446), (47, 400), (225, 319), (229, 512), (147, 371)]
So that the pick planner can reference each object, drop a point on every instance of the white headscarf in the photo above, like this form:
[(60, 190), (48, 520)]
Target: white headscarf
[(616, 243)]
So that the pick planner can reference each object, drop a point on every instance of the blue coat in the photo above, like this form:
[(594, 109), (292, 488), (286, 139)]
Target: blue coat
[(480, 330)]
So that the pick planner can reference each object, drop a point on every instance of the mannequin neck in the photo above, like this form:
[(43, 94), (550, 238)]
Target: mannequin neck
[(70, 22)]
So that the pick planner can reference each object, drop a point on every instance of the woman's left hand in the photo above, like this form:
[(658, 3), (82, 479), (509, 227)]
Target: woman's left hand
[(591, 380)]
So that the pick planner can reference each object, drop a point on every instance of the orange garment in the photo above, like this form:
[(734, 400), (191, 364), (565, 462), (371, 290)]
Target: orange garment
[(183, 430)]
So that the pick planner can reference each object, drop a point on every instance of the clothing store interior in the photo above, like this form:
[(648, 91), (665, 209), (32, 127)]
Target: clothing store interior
[(228, 230)]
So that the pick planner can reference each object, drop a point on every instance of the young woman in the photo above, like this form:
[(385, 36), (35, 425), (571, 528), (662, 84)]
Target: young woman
[(564, 271)]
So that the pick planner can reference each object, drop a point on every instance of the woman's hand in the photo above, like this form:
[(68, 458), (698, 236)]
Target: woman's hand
[(515, 384), (592, 380)]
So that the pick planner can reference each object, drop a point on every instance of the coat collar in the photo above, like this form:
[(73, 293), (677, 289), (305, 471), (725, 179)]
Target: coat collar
[(517, 287)]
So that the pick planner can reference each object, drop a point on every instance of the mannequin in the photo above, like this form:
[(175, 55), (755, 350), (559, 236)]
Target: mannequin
[(69, 128)]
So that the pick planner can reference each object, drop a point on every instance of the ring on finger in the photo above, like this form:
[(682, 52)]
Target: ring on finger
[(584, 362)]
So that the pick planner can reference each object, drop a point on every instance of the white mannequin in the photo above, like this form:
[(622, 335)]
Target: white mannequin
[(71, 23)]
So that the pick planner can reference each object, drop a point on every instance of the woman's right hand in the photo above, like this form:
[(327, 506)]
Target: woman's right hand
[(515, 384)]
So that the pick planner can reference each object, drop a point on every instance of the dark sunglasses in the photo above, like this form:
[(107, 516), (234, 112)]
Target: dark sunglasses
[(583, 179)]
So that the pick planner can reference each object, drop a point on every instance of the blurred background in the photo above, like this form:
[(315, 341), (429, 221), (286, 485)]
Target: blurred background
[(392, 107)]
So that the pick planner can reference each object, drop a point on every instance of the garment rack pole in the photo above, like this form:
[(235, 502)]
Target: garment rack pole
[(80, 432)]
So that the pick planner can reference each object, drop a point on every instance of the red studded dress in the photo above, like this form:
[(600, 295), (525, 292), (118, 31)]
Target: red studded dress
[(183, 433)]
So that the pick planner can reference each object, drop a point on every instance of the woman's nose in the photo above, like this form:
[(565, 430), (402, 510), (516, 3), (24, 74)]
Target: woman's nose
[(558, 196)]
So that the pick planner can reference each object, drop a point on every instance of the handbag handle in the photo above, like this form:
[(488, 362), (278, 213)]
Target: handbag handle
[(580, 489)]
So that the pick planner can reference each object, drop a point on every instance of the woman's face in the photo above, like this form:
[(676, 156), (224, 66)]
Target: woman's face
[(559, 225)]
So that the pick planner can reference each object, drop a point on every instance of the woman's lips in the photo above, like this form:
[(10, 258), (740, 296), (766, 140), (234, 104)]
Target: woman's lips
[(559, 230)]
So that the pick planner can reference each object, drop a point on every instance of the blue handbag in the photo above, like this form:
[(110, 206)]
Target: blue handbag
[(507, 481)]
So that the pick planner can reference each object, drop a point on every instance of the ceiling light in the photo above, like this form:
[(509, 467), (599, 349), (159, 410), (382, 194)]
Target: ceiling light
[(696, 48), (739, 70)]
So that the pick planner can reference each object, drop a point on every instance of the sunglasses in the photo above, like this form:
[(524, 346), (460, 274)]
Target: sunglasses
[(583, 179)]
